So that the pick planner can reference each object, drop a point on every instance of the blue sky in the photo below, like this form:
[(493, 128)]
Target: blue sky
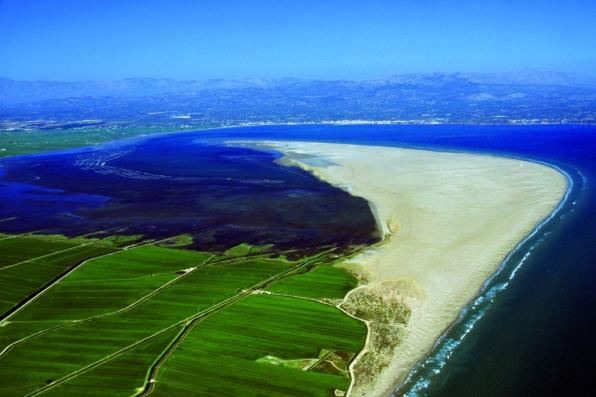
[(328, 39)]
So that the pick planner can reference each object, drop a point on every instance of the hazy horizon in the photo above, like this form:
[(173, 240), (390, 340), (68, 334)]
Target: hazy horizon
[(67, 40), (518, 72)]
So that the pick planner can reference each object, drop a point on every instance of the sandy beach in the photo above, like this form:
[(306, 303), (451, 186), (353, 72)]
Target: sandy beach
[(449, 219)]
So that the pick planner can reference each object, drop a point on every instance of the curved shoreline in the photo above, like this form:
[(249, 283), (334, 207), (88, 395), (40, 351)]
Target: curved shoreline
[(486, 285), (449, 172)]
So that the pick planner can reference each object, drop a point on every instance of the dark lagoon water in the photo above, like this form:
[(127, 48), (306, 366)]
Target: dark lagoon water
[(174, 184), (530, 332)]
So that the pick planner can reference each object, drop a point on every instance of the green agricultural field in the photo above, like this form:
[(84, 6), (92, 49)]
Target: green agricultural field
[(17, 249), (178, 316), (19, 281), (321, 282), (221, 354), (119, 376), (30, 262), (13, 143)]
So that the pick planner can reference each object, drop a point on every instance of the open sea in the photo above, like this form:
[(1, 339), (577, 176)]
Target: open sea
[(530, 332)]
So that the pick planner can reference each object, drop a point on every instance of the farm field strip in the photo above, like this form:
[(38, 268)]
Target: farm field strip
[(43, 256), (324, 281), (25, 247), (184, 321), (119, 374)]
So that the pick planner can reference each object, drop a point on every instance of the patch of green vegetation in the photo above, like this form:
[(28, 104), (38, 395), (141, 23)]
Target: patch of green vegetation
[(13, 143), (120, 241), (245, 249), (321, 282), (220, 356), (259, 249), (139, 261), (239, 250), (183, 240)]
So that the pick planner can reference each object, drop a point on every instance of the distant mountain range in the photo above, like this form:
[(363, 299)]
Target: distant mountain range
[(527, 96), (12, 91)]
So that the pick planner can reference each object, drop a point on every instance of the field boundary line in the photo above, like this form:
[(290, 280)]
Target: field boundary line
[(44, 289), (43, 256), (10, 236)]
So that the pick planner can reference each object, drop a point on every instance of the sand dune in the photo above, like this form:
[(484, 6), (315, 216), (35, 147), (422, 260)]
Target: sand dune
[(449, 219)]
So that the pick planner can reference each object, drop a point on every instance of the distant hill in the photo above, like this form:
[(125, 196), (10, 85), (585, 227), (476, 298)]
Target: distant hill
[(529, 96), (12, 91)]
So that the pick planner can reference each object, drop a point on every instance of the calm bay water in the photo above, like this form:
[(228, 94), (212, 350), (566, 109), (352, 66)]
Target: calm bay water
[(532, 332)]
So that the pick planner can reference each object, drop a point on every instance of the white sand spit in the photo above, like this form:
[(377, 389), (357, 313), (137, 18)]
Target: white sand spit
[(449, 219)]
